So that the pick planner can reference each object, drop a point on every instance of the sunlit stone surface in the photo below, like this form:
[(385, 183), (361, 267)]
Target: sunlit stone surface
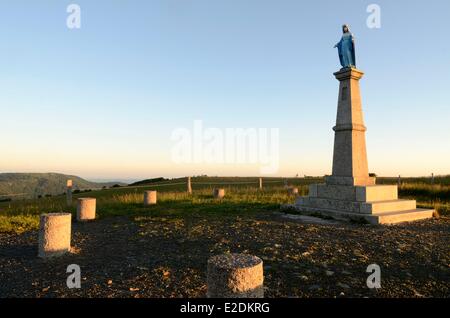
[(349, 192)]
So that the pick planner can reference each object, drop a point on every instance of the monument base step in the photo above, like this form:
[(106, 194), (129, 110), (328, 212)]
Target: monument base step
[(388, 206), (376, 207), (404, 216), (376, 204), (368, 193), (376, 218)]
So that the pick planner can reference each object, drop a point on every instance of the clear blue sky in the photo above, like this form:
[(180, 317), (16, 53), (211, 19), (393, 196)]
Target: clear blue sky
[(102, 101)]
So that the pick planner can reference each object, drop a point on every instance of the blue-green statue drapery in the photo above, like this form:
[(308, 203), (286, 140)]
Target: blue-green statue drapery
[(346, 48)]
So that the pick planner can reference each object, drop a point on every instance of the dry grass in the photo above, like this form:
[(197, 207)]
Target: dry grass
[(19, 216)]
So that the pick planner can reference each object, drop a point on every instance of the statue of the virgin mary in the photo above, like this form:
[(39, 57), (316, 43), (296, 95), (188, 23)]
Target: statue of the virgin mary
[(346, 48)]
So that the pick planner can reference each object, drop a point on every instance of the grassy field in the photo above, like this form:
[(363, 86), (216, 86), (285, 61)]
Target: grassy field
[(242, 196)]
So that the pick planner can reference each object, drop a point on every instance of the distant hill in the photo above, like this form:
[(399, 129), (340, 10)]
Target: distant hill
[(148, 181), (31, 185)]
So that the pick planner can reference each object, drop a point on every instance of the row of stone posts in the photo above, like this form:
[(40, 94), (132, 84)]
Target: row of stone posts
[(219, 193), (150, 197), (228, 275), (55, 229)]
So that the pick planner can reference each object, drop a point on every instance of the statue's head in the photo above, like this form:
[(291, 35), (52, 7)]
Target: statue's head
[(345, 28)]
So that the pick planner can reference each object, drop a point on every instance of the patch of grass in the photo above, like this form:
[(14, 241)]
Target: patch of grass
[(172, 201), (443, 208), (18, 223), (425, 191), (428, 196), (201, 202)]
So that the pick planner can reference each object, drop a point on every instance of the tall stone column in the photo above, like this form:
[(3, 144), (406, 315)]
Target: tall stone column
[(350, 157), (349, 192)]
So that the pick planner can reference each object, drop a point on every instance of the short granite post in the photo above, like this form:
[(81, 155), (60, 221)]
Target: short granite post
[(260, 184), (86, 209), (69, 192), (149, 197), (219, 193), (235, 276), (54, 234), (292, 191), (189, 186)]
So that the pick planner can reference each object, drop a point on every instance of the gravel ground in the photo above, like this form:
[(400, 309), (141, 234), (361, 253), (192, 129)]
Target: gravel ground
[(167, 257)]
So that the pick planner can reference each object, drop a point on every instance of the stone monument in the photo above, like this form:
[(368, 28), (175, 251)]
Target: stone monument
[(350, 192)]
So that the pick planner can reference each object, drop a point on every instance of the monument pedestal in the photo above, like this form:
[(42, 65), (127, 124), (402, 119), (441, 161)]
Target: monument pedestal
[(350, 192), (376, 204)]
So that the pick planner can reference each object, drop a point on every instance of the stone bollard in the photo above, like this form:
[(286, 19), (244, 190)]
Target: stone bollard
[(149, 197), (69, 192), (189, 186), (86, 209), (219, 193), (292, 191), (54, 234), (235, 276)]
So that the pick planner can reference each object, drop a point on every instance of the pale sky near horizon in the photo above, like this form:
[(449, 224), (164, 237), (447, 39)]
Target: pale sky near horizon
[(102, 101)]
